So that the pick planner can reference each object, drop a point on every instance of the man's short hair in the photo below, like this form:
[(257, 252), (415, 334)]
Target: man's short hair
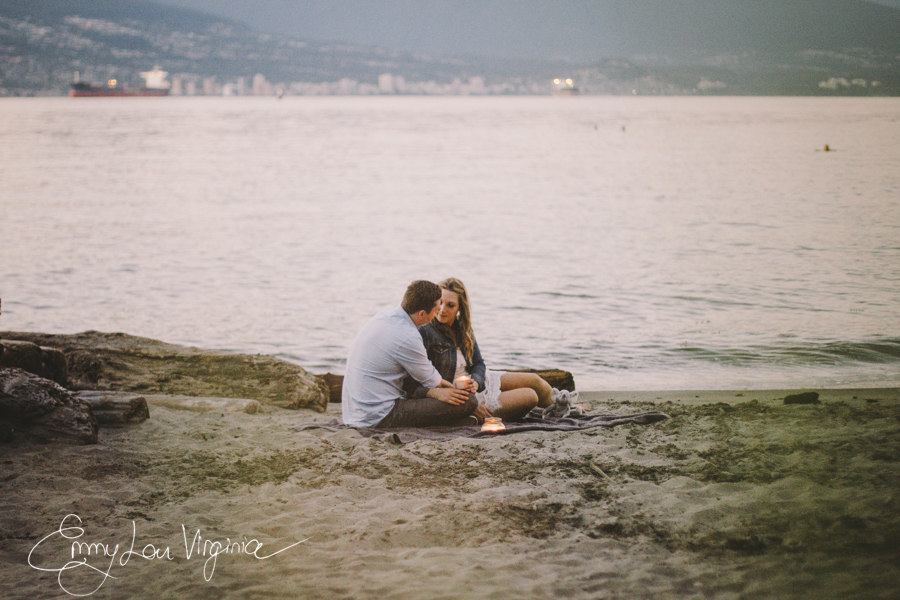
[(420, 295)]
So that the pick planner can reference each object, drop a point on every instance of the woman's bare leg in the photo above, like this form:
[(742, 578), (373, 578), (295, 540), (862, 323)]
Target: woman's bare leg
[(513, 381), (515, 404)]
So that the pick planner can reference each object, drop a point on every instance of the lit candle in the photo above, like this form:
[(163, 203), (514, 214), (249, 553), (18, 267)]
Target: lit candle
[(493, 424), (462, 381)]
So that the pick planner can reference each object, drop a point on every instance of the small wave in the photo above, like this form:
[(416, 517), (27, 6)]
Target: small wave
[(750, 225), (835, 352), (714, 302), (526, 308), (565, 295)]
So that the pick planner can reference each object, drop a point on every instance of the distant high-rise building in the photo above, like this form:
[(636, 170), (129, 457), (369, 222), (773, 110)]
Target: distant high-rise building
[(211, 87), (261, 87)]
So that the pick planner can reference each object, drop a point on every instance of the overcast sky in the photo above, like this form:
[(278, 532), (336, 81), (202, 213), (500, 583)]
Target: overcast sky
[(515, 28)]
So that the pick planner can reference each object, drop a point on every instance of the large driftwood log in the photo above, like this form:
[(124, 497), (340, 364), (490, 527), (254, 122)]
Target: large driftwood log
[(48, 363), (335, 385), (116, 408), (203, 404), (557, 378), (42, 410), (121, 362)]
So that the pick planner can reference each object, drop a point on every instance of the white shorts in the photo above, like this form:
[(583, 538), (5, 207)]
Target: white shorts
[(490, 397)]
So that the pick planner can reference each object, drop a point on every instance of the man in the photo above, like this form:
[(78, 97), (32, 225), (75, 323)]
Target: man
[(386, 351)]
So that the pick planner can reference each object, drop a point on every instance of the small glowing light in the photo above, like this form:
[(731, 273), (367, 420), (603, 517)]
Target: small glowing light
[(556, 81), (112, 83), (493, 424), (568, 82), (462, 380)]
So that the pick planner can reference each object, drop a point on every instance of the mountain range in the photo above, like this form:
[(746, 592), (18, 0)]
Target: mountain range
[(579, 30), (638, 46)]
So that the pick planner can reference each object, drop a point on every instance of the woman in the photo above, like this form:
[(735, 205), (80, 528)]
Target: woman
[(454, 352)]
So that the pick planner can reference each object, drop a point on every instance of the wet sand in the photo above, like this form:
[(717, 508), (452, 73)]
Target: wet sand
[(736, 496)]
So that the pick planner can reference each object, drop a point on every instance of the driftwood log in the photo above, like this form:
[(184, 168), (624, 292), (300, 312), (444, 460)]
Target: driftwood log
[(127, 363), (35, 408), (205, 404), (116, 408), (557, 378), (45, 362)]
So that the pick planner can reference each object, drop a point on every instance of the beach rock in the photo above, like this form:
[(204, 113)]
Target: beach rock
[(48, 363), (805, 398), (42, 410), (557, 378), (116, 408), (121, 362)]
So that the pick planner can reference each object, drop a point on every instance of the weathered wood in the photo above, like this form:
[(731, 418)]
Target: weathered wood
[(335, 385), (48, 363), (42, 410), (204, 404), (116, 408), (557, 378), (121, 362)]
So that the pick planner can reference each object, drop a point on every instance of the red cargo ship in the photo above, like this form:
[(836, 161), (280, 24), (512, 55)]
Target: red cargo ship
[(156, 85)]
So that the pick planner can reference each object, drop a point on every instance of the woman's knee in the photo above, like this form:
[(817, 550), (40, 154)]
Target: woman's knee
[(544, 391), (537, 383)]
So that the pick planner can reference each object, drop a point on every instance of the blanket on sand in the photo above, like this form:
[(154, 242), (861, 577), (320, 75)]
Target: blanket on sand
[(536, 420)]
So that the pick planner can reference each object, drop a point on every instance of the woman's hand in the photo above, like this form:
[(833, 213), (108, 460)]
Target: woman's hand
[(465, 382), (481, 412)]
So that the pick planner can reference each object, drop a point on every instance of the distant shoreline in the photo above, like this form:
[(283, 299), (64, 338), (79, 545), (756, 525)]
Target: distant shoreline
[(698, 397)]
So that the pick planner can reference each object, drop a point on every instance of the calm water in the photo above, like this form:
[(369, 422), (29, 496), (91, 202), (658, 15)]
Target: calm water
[(641, 243)]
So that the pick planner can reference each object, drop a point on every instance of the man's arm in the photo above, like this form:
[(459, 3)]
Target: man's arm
[(447, 392), (414, 359)]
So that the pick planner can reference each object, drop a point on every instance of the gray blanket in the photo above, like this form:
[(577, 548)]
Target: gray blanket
[(536, 420)]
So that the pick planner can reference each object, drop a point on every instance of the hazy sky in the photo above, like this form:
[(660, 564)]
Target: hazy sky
[(568, 29)]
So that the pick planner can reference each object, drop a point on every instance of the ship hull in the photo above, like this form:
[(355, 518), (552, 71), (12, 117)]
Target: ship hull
[(114, 92)]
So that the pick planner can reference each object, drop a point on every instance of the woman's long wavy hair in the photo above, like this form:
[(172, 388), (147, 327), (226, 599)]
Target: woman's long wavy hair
[(461, 330)]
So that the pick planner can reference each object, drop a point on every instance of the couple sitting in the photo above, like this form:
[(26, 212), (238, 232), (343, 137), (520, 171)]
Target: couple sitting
[(402, 365)]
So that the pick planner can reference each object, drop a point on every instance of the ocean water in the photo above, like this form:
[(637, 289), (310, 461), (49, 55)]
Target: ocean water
[(641, 243)]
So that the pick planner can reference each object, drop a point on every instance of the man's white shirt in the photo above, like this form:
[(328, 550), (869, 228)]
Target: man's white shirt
[(384, 352)]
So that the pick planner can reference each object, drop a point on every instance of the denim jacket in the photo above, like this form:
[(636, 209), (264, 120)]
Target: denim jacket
[(442, 354)]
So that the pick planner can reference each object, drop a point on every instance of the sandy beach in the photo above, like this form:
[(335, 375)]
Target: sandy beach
[(736, 496)]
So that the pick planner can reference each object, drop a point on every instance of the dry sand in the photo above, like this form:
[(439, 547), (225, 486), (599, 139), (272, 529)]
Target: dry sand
[(736, 496)]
